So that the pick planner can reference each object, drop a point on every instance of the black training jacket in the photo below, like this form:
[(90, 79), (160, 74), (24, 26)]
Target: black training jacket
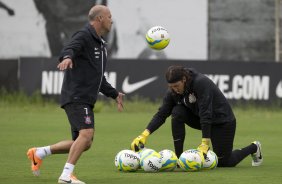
[(203, 98), (86, 79)]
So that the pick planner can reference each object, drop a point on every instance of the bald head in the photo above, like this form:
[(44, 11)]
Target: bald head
[(96, 11), (100, 18)]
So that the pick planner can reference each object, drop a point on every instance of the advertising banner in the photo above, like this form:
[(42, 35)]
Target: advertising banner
[(259, 82), (9, 74)]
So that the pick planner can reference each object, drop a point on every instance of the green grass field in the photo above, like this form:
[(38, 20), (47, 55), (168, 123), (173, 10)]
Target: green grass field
[(26, 126)]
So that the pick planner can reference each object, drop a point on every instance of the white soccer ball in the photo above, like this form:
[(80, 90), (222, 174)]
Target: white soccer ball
[(127, 160), (169, 160), (191, 160), (150, 160), (210, 161), (117, 158), (157, 38)]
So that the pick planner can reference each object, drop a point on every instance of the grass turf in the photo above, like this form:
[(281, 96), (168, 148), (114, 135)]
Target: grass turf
[(27, 126)]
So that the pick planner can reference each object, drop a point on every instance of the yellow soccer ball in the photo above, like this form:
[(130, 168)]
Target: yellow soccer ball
[(127, 161), (150, 160), (157, 38), (210, 161), (169, 160), (191, 160)]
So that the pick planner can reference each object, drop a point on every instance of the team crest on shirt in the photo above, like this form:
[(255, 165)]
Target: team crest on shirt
[(192, 98), (87, 120)]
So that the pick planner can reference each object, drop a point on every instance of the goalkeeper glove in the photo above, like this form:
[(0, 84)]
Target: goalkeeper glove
[(204, 146), (139, 142)]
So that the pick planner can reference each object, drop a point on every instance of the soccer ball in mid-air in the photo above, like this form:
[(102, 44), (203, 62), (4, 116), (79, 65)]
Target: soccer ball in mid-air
[(127, 160), (150, 160), (169, 160), (191, 160), (210, 161), (157, 38)]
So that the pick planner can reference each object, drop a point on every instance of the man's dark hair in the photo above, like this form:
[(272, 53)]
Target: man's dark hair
[(176, 73)]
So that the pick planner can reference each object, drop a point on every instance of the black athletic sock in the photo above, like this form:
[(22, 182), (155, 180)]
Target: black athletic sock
[(178, 146)]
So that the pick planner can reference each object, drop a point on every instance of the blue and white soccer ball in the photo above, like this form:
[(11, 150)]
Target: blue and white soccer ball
[(127, 160), (169, 160), (210, 161), (150, 160), (191, 160), (157, 38)]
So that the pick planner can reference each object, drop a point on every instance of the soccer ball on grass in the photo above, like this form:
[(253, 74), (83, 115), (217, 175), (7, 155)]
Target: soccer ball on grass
[(150, 160), (191, 160), (210, 161), (127, 160), (169, 160)]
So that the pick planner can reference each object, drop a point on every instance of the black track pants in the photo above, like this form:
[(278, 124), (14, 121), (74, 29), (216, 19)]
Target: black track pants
[(222, 137)]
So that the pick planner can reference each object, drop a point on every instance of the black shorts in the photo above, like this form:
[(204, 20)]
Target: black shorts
[(80, 116)]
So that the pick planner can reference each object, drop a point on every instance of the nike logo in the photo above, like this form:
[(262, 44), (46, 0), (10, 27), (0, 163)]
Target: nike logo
[(279, 90), (260, 157), (176, 140), (34, 162), (66, 181), (129, 88)]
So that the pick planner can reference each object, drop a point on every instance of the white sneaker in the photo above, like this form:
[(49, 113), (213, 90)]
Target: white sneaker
[(70, 179), (257, 156)]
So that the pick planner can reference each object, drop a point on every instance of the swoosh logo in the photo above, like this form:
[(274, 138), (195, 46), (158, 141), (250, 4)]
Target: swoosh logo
[(34, 162), (67, 181), (129, 88), (260, 157), (279, 90)]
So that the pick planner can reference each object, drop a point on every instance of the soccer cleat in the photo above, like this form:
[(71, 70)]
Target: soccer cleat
[(70, 179), (35, 161), (257, 156)]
